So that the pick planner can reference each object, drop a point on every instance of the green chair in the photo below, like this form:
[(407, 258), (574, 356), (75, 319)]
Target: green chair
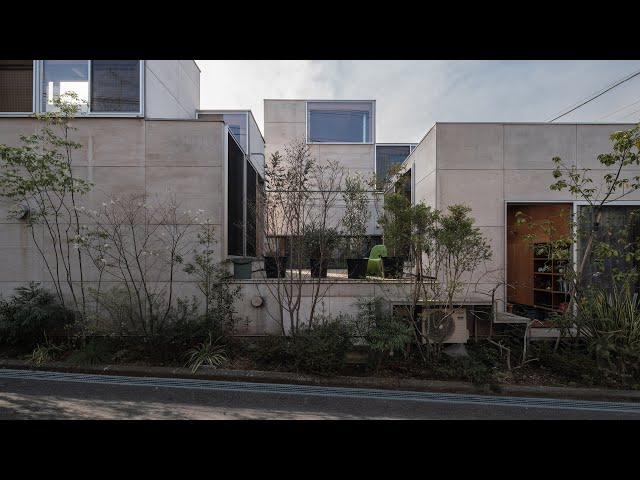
[(374, 267)]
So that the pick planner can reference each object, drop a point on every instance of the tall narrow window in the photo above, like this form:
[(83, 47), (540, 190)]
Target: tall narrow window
[(62, 76), (115, 85), (16, 86), (339, 122)]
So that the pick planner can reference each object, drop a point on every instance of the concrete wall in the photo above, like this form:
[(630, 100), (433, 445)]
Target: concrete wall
[(172, 89), (338, 298), (123, 156), (484, 165), (285, 121)]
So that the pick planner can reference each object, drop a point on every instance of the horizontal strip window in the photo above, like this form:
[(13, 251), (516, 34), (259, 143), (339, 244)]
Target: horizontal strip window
[(339, 122), (109, 87)]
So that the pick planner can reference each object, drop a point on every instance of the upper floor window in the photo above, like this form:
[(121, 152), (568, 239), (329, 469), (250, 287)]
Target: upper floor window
[(339, 122), (237, 123), (62, 76), (16, 86), (388, 156), (108, 85), (115, 86)]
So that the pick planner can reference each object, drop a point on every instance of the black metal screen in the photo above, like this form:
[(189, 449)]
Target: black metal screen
[(235, 192)]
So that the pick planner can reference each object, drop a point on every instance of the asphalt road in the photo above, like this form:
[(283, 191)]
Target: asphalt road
[(22, 398)]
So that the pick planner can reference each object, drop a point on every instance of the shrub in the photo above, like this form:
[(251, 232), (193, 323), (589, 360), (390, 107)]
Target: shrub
[(30, 313), (270, 350), (321, 348), (381, 331), (95, 352), (209, 352), (43, 353), (610, 325)]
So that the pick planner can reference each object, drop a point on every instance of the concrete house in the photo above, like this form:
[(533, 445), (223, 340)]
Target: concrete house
[(499, 169), (143, 131)]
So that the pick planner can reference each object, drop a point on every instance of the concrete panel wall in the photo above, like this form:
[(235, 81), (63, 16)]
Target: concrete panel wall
[(592, 140), (285, 121), (487, 165), (172, 89), (123, 156)]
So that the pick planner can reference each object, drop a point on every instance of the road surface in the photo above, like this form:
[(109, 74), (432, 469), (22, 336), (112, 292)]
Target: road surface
[(46, 395)]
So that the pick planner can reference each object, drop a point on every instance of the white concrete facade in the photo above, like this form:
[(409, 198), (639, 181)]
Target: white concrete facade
[(172, 89), (286, 121), (489, 165)]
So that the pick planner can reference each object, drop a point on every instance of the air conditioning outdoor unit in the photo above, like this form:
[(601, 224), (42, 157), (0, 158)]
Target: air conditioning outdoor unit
[(445, 326)]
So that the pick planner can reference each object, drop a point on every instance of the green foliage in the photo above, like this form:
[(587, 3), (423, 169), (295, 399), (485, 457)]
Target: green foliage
[(95, 352), (609, 324), (116, 310), (43, 353), (479, 367), (209, 352), (214, 282), (579, 182), (321, 348), (30, 313), (38, 176), (615, 184), (378, 328), (396, 224), (319, 241), (270, 350), (356, 214)]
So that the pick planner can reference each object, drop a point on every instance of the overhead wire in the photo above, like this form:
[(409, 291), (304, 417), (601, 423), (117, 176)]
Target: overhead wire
[(597, 94)]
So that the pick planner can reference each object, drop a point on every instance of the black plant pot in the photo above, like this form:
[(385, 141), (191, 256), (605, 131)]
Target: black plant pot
[(393, 266), (273, 265), (316, 271), (357, 267)]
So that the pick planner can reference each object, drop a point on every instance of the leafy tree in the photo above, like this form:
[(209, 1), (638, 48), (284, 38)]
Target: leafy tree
[(356, 214), (38, 176)]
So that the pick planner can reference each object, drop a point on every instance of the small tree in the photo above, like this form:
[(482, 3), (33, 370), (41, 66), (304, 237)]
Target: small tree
[(396, 221), (615, 260), (38, 176), (141, 241), (614, 185), (356, 214), (446, 248), (300, 194), (213, 281)]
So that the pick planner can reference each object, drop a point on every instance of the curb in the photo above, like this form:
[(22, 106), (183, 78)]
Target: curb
[(382, 383)]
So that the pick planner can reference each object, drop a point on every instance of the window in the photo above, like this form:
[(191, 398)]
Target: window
[(387, 156), (109, 86), (62, 76), (339, 122), (16, 86), (237, 123), (619, 226), (115, 86)]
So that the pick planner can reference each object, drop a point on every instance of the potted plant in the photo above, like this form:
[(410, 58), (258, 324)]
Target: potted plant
[(275, 265), (396, 232), (319, 243), (354, 223)]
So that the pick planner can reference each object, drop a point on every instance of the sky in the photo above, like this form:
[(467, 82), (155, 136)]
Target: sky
[(411, 95)]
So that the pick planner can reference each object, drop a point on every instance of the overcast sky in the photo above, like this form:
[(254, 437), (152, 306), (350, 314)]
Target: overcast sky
[(413, 94)]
